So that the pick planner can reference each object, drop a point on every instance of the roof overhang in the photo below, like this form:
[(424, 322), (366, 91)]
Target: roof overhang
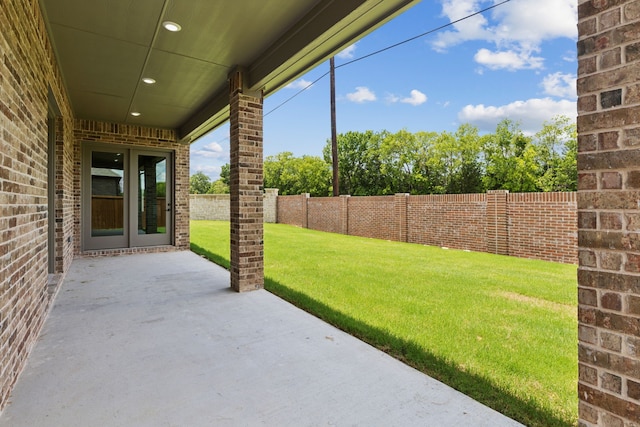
[(106, 47)]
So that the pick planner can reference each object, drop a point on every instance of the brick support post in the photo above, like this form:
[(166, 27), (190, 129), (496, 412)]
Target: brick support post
[(344, 214), (246, 180), (609, 212), (497, 222), (305, 209), (400, 212)]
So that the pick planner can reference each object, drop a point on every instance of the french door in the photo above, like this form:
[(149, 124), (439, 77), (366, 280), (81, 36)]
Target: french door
[(127, 197)]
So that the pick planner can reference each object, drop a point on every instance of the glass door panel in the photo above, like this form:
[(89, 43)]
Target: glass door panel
[(105, 210), (153, 202), (107, 194), (126, 197)]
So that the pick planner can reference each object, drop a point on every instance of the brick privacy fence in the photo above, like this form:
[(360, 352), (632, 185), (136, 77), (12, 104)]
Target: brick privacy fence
[(527, 225), (217, 207)]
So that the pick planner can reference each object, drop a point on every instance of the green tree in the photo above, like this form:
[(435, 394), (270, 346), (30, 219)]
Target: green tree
[(557, 144), (218, 187), (510, 160), (397, 161), (199, 183), (359, 163), (454, 161), (225, 174), (161, 188), (297, 175)]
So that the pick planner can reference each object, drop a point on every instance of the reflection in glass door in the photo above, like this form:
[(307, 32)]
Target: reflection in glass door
[(127, 197), (153, 201), (106, 208)]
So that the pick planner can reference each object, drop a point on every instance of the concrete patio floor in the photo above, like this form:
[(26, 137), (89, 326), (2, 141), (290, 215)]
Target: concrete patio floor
[(161, 340)]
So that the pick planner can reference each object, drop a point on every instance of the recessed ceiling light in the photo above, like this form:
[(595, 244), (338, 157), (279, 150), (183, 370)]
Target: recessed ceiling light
[(149, 80), (171, 26), (135, 113)]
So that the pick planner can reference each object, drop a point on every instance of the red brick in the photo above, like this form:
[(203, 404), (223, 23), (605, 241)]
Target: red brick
[(633, 389), (611, 382), (587, 220), (610, 221), (611, 301), (587, 143), (609, 19), (587, 181), (588, 374), (611, 341), (611, 58), (633, 302), (610, 261), (587, 297)]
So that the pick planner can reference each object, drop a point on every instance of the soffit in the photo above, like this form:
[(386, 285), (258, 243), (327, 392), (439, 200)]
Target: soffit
[(105, 47)]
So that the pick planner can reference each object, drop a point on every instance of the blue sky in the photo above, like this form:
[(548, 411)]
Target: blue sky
[(515, 61)]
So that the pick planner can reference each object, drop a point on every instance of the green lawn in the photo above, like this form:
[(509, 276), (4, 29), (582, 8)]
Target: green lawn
[(502, 330)]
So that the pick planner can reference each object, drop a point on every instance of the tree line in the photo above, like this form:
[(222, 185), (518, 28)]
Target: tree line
[(381, 163)]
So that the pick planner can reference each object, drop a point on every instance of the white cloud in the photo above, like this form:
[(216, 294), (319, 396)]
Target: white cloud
[(361, 95), (392, 99), (530, 114), (348, 52), (416, 98), (473, 28), (517, 29), (509, 60), (532, 21), (299, 84), (212, 150), (560, 85)]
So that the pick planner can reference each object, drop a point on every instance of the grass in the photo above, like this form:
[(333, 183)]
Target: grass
[(502, 330)]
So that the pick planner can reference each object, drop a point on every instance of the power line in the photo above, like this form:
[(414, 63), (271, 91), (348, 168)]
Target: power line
[(377, 52)]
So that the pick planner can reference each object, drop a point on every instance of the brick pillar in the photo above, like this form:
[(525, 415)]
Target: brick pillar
[(247, 267), (497, 222), (609, 212), (305, 209), (400, 212), (344, 214)]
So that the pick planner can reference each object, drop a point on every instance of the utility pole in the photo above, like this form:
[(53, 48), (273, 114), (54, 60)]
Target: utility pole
[(334, 135)]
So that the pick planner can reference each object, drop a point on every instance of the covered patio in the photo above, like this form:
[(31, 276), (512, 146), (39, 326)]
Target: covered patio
[(161, 340)]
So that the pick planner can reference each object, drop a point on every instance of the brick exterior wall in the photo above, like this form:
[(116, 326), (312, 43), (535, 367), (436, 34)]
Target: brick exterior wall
[(86, 131), (216, 207), (532, 225), (609, 212), (28, 72)]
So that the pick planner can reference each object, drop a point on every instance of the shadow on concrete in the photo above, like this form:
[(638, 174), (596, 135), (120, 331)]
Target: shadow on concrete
[(481, 389)]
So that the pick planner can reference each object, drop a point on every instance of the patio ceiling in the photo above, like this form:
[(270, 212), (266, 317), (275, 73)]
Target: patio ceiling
[(106, 47)]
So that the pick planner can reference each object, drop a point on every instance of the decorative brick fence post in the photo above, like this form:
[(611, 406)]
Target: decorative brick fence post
[(305, 209), (609, 212), (497, 222), (246, 185), (400, 212), (344, 214)]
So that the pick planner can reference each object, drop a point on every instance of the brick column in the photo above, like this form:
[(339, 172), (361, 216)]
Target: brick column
[(247, 267), (497, 222), (400, 212), (609, 212), (305, 209), (344, 214)]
